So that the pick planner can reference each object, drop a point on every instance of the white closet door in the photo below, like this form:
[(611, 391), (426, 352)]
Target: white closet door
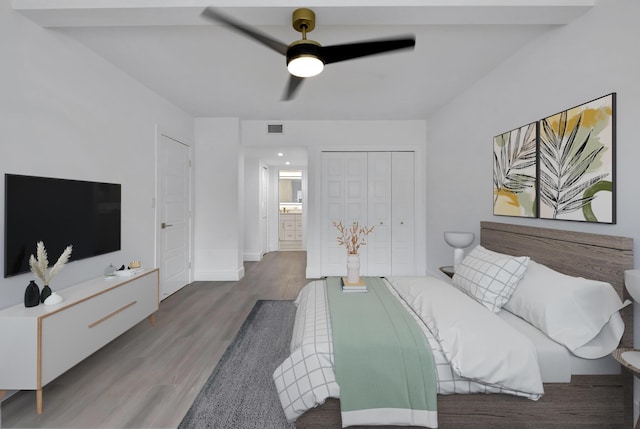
[(344, 198), (403, 214), (379, 210)]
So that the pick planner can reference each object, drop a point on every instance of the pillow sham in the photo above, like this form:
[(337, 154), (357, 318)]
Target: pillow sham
[(489, 277), (579, 313)]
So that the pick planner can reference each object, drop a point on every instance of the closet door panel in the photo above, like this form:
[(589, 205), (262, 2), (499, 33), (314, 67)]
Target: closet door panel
[(403, 203), (344, 199), (379, 208)]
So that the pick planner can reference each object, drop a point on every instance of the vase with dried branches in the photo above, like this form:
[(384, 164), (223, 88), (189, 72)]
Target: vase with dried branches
[(40, 263), (353, 237)]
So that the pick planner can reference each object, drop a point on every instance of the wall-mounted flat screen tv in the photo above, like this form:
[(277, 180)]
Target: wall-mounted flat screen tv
[(58, 212)]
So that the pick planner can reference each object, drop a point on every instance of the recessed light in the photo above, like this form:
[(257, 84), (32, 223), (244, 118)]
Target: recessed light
[(287, 163), (280, 154)]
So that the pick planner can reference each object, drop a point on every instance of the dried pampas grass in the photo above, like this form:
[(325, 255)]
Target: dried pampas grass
[(40, 264)]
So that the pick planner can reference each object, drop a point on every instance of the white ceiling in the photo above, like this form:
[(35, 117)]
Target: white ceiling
[(210, 71)]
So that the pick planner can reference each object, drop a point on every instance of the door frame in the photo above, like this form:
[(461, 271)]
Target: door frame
[(158, 254), (274, 220), (265, 204)]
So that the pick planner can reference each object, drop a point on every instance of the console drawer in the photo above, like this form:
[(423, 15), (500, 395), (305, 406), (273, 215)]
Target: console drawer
[(71, 335)]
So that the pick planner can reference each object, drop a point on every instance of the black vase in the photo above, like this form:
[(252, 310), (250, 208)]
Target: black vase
[(32, 295), (46, 291)]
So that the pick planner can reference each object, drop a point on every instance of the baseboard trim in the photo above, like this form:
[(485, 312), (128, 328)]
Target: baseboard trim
[(253, 257), (216, 276)]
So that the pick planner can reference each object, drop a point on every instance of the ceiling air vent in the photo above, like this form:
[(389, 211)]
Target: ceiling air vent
[(275, 129)]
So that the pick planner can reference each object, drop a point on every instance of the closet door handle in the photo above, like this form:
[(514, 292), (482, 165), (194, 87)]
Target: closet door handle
[(164, 225)]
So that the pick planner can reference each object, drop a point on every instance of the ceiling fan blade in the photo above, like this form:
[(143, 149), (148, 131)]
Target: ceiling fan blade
[(292, 87), (336, 53), (272, 43)]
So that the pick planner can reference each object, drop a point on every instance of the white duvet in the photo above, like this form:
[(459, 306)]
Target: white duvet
[(474, 350)]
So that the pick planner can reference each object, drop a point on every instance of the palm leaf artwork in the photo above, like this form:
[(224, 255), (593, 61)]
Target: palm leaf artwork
[(514, 172), (570, 160)]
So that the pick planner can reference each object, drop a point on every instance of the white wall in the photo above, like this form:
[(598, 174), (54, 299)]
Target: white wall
[(593, 56), (320, 136), (218, 177), (68, 113)]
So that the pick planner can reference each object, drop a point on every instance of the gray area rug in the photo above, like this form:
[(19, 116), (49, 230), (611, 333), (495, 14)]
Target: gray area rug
[(240, 392)]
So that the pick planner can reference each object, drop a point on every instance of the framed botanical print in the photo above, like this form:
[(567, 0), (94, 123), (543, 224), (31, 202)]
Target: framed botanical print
[(514, 172), (576, 163)]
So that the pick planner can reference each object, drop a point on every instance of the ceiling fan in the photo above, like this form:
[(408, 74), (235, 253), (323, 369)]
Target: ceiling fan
[(307, 58)]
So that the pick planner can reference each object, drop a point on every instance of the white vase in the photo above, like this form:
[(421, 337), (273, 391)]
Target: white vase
[(353, 268)]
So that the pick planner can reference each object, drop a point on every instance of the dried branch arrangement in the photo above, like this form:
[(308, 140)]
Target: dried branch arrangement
[(352, 237), (40, 264)]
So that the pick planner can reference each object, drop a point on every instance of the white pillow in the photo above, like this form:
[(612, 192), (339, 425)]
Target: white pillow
[(489, 277), (579, 313)]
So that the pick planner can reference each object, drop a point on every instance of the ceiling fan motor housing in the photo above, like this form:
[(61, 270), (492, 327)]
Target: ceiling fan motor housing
[(304, 48), (304, 20)]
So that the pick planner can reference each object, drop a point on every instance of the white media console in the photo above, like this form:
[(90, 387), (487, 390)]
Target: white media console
[(40, 343)]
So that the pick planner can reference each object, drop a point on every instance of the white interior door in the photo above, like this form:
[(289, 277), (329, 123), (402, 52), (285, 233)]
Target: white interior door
[(264, 209), (174, 215)]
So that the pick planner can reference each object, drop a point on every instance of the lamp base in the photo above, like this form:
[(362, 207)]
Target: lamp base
[(458, 256)]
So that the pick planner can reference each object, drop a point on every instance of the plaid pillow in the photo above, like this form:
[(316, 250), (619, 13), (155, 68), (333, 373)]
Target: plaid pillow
[(489, 277)]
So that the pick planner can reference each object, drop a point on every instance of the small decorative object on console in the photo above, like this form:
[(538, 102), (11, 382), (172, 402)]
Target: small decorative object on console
[(54, 298), (45, 293), (40, 264), (110, 271), (32, 295)]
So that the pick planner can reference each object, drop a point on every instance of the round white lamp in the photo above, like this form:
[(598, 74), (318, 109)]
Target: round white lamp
[(632, 283), (459, 241)]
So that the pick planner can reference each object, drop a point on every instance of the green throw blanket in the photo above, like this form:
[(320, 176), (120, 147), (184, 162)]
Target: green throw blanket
[(383, 362)]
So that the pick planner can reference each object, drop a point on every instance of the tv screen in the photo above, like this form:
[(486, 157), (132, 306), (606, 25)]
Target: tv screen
[(58, 212)]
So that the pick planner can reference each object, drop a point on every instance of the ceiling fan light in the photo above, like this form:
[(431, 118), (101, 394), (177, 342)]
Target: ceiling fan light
[(305, 66)]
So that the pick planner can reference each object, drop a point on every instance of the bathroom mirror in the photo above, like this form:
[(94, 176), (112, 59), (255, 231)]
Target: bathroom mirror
[(290, 190), (290, 187)]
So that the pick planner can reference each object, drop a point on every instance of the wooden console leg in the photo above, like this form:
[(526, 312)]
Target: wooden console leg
[(39, 401), (152, 320)]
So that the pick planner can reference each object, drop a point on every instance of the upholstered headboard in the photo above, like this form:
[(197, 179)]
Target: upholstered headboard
[(580, 254)]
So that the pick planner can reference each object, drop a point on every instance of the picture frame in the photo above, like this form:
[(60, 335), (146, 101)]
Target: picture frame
[(576, 163), (515, 172)]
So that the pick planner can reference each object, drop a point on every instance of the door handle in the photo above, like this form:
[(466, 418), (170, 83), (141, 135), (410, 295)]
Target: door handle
[(164, 225)]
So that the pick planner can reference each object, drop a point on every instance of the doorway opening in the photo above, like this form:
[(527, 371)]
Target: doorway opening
[(290, 205)]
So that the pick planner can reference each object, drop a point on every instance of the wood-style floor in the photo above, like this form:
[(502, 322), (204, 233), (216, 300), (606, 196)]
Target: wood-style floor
[(149, 376)]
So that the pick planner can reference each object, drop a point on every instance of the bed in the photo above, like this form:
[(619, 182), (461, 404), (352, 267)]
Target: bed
[(596, 401)]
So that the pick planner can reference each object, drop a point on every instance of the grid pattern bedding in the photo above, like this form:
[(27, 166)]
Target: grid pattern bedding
[(306, 378)]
